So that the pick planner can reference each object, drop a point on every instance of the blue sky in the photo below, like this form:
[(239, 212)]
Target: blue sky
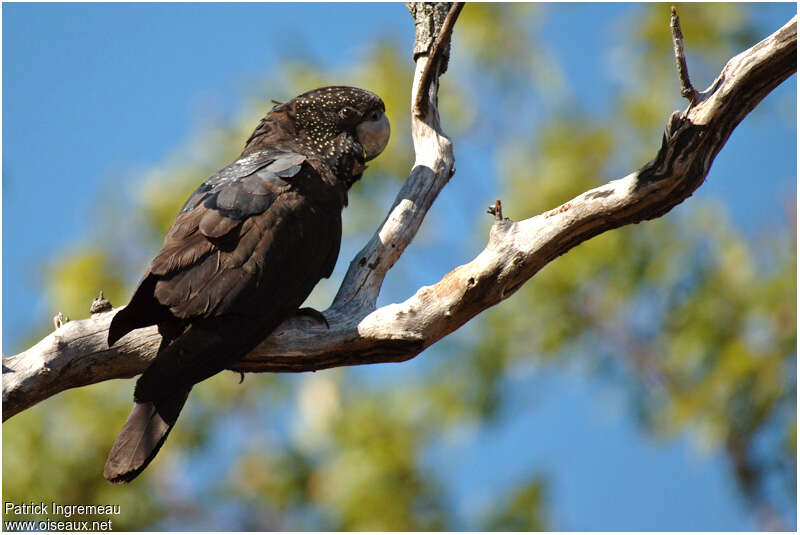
[(97, 91)]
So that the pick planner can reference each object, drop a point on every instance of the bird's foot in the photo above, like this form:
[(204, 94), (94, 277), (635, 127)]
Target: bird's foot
[(313, 313)]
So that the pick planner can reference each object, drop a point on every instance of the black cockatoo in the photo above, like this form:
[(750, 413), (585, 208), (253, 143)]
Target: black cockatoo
[(244, 252)]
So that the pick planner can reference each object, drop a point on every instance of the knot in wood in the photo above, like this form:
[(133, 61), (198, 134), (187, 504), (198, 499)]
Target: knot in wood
[(100, 304)]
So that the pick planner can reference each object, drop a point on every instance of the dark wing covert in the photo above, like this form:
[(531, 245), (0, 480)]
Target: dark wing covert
[(207, 258)]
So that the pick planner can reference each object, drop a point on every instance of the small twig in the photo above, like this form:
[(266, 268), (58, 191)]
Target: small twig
[(437, 49), (687, 91), (496, 210), (100, 304), (59, 320)]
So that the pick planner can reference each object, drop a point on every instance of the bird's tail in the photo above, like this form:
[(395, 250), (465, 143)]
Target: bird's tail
[(186, 356), (142, 435)]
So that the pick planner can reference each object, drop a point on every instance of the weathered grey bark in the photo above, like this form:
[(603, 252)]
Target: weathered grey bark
[(76, 354)]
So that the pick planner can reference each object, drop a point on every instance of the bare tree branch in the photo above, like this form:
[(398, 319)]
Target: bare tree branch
[(687, 90), (437, 59), (432, 170), (77, 354)]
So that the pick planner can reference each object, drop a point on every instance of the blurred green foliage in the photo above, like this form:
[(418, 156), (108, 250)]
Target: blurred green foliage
[(520, 512), (701, 320)]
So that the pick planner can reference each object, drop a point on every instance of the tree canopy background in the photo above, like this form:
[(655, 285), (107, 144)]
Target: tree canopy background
[(645, 380)]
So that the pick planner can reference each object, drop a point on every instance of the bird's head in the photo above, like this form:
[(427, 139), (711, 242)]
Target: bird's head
[(331, 116), (342, 126)]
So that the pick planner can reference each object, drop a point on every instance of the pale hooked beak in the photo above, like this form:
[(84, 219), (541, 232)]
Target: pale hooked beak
[(373, 136)]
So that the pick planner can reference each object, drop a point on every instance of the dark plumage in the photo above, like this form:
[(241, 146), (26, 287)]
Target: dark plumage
[(244, 252)]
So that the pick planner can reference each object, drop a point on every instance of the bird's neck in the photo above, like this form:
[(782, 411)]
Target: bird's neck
[(342, 154)]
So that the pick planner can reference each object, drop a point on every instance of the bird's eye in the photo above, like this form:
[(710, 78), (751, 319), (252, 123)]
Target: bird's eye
[(347, 114)]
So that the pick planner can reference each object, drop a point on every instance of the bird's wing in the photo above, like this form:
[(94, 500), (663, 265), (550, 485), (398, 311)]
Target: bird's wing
[(245, 188), (229, 229), (236, 235)]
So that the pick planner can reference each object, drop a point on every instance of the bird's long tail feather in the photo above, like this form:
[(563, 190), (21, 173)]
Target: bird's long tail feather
[(142, 435)]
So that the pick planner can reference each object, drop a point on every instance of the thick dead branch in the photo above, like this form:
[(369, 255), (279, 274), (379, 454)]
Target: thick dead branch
[(432, 170), (76, 354)]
